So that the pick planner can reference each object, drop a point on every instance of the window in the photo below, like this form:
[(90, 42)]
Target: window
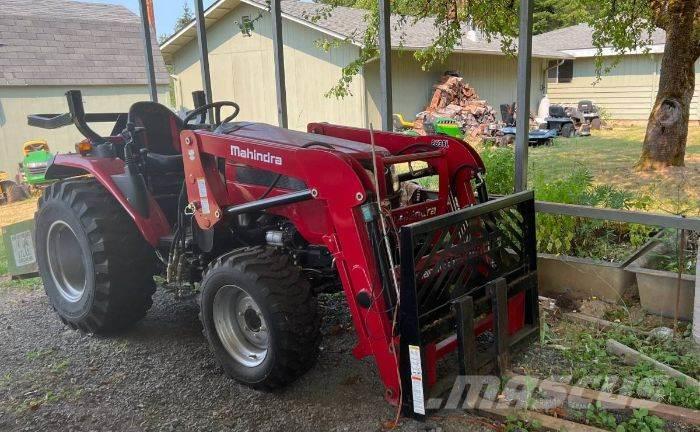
[(560, 73)]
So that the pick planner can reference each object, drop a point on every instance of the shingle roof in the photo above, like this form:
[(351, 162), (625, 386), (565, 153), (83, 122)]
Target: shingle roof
[(579, 37), (407, 34), (351, 23), (61, 42)]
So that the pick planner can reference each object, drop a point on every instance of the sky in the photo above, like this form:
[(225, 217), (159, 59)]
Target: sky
[(166, 11)]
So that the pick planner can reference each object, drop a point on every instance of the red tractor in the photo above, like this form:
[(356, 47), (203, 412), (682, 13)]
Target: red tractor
[(258, 220)]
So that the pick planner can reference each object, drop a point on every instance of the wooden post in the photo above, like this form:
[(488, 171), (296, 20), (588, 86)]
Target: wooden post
[(696, 308)]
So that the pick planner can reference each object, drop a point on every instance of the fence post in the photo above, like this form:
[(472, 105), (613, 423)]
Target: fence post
[(696, 308)]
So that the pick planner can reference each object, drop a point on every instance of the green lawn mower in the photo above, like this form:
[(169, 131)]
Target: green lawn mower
[(439, 126), (36, 159)]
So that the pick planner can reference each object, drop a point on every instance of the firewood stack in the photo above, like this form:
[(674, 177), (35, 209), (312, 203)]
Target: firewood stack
[(453, 98)]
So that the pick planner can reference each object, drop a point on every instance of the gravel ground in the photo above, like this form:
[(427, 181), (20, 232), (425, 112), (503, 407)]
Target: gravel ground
[(161, 376)]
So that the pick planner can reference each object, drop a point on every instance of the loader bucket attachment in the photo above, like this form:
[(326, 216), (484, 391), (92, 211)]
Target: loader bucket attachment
[(464, 274)]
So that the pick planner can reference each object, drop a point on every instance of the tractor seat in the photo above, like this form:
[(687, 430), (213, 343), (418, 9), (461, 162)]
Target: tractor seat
[(164, 164), (161, 137)]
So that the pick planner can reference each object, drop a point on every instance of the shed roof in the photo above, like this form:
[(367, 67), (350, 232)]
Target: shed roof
[(62, 42), (579, 37), (349, 24)]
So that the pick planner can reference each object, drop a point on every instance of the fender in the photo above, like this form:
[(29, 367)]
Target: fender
[(152, 227)]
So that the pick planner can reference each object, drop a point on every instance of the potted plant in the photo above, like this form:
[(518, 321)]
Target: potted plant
[(581, 257), (657, 276)]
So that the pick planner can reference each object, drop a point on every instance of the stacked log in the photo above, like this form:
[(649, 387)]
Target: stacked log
[(456, 99)]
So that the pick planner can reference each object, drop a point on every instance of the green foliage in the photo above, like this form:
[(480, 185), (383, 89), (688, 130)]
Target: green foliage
[(3, 258), (669, 259), (599, 370), (326, 44), (583, 237), (516, 424), (185, 17), (587, 238), (548, 15), (641, 421), (500, 169), (597, 416)]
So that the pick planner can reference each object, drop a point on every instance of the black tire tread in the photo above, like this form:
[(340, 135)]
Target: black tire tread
[(15, 193), (292, 303), (123, 261)]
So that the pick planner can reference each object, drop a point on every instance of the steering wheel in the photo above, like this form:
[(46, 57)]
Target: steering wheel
[(216, 106)]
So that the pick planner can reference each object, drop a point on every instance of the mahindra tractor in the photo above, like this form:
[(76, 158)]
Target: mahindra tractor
[(257, 221)]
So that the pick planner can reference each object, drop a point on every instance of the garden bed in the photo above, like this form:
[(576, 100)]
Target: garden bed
[(661, 285), (575, 354)]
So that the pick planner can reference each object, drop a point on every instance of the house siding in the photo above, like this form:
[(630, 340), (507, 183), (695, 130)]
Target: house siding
[(493, 77), (242, 70), (16, 103), (626, 93)]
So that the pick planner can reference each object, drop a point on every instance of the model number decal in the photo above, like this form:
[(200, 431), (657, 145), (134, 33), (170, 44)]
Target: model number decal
[(440, 143)]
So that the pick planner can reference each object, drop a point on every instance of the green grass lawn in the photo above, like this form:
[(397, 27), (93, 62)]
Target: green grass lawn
[(3, 258), (610, 156)]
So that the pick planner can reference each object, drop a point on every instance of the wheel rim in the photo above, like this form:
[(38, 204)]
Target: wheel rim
[(66, 263), (240, 325)]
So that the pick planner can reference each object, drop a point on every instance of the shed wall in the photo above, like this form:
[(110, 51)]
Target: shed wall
[(16, 103), (242, 70)]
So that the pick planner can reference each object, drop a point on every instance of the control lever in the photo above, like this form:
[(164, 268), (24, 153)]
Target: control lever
[(132, 183)]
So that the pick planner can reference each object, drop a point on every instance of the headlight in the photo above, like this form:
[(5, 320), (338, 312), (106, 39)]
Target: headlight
[(36, 165)]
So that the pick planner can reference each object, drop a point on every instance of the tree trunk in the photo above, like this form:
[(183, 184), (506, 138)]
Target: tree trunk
[(667, 130)]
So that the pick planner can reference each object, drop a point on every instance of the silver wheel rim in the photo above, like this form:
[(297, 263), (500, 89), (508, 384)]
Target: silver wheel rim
[(66, 263), (240, 325)]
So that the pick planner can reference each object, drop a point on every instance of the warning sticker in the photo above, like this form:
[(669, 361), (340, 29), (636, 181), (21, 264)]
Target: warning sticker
[(416, 379), (205, 206), (202, 187), (23, 248)]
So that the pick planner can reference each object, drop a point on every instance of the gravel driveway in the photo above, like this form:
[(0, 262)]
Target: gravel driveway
[(161, 376)]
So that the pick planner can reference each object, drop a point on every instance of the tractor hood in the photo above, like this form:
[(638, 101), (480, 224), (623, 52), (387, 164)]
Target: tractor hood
[(278, 135)]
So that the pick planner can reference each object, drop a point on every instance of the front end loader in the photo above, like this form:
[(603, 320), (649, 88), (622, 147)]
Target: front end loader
[(258, 221)]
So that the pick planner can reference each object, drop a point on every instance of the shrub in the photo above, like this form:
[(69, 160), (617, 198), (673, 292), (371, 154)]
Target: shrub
[(500, 169), (583, 237)]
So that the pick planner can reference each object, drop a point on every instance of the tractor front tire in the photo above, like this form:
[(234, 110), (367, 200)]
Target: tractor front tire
[(96, 267), (260, 317)]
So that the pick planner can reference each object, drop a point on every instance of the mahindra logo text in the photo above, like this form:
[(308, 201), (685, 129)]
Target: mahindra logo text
[(255, 155)]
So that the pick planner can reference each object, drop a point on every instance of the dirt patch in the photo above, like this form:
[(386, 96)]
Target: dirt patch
[(160, 375), (17, 212)]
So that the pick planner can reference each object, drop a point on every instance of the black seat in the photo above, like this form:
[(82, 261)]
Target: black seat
[(161, 137), (557, 111)]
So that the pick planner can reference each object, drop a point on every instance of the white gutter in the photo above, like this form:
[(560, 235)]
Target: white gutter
[(592, 52)]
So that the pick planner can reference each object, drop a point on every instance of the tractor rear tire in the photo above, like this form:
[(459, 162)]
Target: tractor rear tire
[(596, 123), (15, 193), (567, 130), (96, 267), (260, 317)]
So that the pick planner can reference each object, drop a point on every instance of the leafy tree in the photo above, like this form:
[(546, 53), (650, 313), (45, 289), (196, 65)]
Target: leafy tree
[(548, 15), (186, 17), (623, 25)]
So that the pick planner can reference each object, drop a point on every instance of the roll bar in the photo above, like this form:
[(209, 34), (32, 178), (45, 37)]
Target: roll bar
[(76, 115)]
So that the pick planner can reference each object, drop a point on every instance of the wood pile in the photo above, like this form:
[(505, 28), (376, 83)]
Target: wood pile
[(456, 99)]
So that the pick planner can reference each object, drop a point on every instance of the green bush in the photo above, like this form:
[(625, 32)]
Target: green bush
[(500, 169), (584, 237), (567, 235)]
